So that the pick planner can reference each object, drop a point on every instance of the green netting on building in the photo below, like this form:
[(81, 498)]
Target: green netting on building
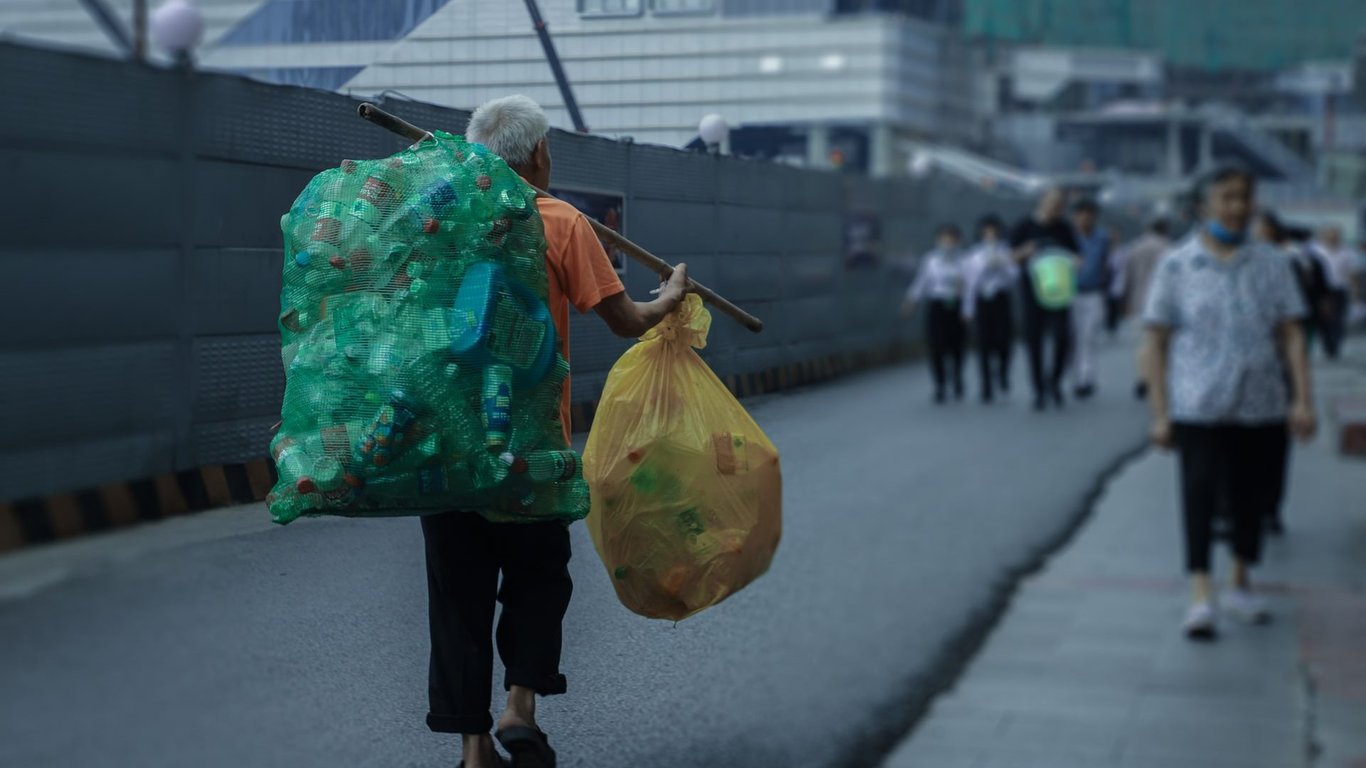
[(422, 367), (1203, 34)]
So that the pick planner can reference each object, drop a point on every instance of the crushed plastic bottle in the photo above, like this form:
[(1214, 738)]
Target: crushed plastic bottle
[(414, 286)]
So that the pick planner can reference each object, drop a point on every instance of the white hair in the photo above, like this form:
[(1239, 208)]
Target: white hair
[(510, 127)]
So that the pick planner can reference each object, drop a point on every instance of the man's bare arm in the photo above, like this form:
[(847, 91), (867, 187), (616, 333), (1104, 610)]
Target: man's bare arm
[(631, 319)]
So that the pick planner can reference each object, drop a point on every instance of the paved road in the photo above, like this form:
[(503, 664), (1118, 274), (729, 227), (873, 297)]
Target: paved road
[(220, 640)]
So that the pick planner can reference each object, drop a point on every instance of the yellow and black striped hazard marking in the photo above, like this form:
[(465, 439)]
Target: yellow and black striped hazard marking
[(26, 522)]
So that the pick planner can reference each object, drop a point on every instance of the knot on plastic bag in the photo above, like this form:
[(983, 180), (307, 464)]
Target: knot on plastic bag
[(689, 324)]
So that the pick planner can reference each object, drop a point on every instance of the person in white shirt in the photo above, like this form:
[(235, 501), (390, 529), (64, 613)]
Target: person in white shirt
[(940, 285), (991, 274), (1339, 265), (1093, 284)]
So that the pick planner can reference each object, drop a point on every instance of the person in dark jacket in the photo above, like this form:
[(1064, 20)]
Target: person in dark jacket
[(1047, 229), (1311, 277)]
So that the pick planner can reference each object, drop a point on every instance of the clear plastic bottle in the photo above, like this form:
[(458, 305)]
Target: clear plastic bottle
[(384, 437), (294, 465), (497, 407), (547, 466)]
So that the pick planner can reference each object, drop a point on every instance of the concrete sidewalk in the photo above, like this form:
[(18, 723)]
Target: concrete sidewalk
[(1088, 667)]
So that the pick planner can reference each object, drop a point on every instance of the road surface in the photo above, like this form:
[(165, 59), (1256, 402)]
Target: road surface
[(221, 640)]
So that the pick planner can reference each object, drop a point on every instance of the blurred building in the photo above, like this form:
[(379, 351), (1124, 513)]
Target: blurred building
[(831, 82), (1139, 87), (69, 24), (1156, 90), (804, 81), (1204, 36)]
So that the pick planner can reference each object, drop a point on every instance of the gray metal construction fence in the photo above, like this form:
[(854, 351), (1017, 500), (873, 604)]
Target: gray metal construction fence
[(140, 243)]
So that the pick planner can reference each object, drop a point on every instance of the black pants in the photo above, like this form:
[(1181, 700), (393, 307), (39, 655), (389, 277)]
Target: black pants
[(947, 338), (1335, 324), (1278, 483), (1042, 324), (1114, 312), (465, 553), (995, 336), (1240, 466)]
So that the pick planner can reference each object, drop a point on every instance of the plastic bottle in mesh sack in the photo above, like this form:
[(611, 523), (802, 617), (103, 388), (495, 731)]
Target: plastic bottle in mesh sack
[(540, 415), (375, 337)]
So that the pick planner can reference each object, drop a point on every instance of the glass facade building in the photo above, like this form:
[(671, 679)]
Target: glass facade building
[(1213, 35)]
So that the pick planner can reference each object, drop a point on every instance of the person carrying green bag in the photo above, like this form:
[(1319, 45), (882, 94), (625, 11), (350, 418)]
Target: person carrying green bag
[(1045, 246), (467, 553)]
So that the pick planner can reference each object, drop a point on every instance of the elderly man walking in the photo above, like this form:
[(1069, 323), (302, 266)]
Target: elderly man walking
[(466, 554)]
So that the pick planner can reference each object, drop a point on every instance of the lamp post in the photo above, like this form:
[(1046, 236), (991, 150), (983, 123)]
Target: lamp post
[(713, 131), (140, 30), (177, 28)]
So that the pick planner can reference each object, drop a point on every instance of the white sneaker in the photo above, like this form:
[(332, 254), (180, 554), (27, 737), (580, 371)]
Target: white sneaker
[(1200, 621), (1246, 606)]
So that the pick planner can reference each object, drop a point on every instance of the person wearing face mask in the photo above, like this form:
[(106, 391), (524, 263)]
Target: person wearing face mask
[(940, 285), (991, 276), (1222, 328)]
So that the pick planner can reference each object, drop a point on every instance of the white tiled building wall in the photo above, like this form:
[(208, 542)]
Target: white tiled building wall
[(653, 78)]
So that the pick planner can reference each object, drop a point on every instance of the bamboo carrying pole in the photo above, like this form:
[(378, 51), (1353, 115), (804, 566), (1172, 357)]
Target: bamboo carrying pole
[(657, 265)]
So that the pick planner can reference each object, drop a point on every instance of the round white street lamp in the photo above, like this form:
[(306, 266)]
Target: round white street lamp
[(921, 164), (713, 131), (177, 27)]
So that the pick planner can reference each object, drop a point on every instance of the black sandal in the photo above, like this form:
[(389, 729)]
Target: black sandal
[(528, 746)]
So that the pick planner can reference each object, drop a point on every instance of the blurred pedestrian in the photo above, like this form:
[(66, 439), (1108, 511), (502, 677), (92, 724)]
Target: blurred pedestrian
[(466, 554), (1043, 233), (1271, 231), (1340, 266), (1140, 260), (1093, 284), (991, 278), (1222, 316), (1356, 314), (1117, 289), (1311, 274), (940, 285)]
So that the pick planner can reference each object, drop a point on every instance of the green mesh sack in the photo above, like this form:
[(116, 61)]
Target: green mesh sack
[(422, 367)]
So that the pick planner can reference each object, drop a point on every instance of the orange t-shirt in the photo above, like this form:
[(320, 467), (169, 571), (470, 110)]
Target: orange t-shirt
[(579, 273)]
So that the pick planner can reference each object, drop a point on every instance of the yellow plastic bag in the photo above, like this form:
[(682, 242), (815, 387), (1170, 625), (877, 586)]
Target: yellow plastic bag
[(686, 489)]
